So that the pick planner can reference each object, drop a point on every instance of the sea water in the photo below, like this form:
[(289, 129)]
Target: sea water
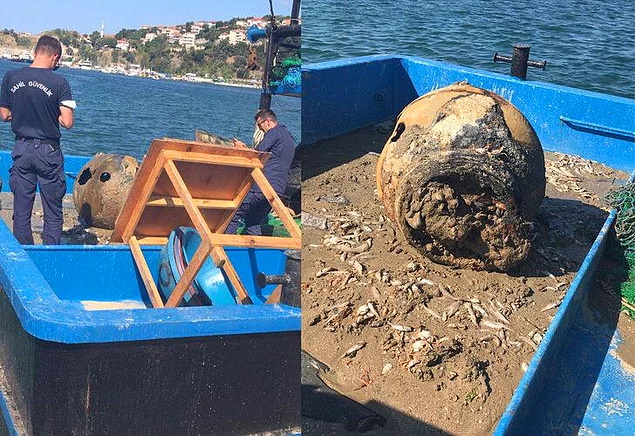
[(123, 114), (588, 44)]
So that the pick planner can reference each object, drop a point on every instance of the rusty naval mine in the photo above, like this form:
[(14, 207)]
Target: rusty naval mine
[(462, 176), (101, 188)]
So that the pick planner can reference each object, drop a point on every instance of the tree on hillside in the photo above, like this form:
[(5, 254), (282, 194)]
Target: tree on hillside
[(109, 41), (129, 57), (94, 38), (131, 34), (69, 38), (25, 42)]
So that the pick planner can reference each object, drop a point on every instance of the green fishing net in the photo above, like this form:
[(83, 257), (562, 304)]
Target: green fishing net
[(273, 227), (623, 199)]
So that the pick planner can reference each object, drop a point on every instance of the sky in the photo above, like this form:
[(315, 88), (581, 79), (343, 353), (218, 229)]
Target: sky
[(85, 16)]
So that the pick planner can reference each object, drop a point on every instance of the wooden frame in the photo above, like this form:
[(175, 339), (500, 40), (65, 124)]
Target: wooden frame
[(174, 187)]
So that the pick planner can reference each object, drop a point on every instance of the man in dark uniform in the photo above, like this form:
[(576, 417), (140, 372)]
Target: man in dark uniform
[(279, 142), (37, 102)]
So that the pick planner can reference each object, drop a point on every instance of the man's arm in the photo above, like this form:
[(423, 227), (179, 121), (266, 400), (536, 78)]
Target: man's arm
[(66, 117), (5, 114)]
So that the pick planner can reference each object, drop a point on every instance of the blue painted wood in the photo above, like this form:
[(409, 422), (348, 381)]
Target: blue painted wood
[(345, 95), (569, 386), (45, 295)]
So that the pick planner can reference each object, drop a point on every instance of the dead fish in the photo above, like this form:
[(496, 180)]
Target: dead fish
[(412, 363), (529, 342), (479, 309), (386, 369), (491, 338), (496, 313), (324, 271), (401, 328), (452, 309), (339, 313), (361, 248), (362, 310), (426, 335), (351, 352), (418, 346), (359, 268), (551, 306), (471, 313), (431, 312), (375, 292), (494, 325), (371, 308), (447, 293)]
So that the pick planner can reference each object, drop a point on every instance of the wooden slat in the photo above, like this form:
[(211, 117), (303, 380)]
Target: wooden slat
[(255, 241), (141, 199), (165, 201), (146, 276), (210, 159), (238, 199), (275, 296), (276, 203), (181, 145), (220, 258), (188, 275), (218, 254), (152, 240), (198, 220)]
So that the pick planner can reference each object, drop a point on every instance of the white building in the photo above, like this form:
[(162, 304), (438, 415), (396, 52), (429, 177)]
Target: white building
[(234, 36), (149, 37), (123, 45), (258, 22), (187, 39)]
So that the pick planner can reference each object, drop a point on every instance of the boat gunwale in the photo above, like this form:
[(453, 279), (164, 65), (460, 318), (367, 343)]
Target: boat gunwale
[(47, 317)]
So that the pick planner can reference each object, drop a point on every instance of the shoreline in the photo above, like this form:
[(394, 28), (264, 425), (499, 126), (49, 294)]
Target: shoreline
[(158, 76)]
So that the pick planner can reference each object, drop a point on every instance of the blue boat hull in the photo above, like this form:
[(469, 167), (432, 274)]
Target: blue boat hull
[(570, 386), (82, 352)]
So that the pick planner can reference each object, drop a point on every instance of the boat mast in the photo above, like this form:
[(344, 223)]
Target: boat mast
[(275, 34)]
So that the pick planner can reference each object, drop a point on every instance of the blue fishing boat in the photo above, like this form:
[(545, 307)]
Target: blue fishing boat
[(575, 383), (82, 349)]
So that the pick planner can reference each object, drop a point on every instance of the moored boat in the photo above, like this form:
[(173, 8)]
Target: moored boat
[(84, 350), (575, 381)]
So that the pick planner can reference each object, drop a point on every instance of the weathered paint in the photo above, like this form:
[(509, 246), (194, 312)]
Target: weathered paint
[(574, 382), (376, 88)]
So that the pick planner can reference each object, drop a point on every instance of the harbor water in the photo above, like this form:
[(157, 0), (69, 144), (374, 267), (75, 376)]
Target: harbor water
[(588, 44), (122, 114)]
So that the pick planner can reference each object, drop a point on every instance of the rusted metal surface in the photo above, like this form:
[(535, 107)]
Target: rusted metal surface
[(101, 188), (462, 176)]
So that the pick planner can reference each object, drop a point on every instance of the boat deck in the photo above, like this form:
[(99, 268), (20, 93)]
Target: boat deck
[(471, 389)]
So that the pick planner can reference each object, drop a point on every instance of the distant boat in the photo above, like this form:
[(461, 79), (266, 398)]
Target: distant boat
[(86, 65), (22, 57)]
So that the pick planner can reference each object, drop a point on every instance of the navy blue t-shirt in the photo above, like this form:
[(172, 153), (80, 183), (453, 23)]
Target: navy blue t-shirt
[(279, 142), (34, 96)]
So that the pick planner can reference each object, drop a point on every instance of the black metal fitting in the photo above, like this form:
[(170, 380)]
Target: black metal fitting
[(290, 280), (520, 60)]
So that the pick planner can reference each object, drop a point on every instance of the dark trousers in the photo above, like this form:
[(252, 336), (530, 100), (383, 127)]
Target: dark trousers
[(253, 212), (34, 163)]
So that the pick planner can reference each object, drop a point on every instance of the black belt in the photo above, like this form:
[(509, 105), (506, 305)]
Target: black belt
[(52, 142)]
